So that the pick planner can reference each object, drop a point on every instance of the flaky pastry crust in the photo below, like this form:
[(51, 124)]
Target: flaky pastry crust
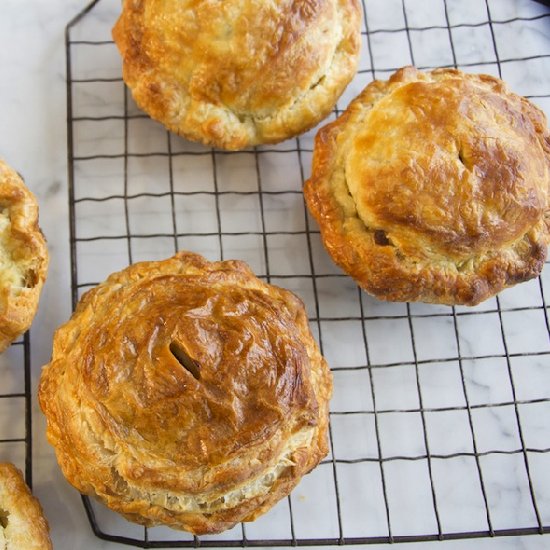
[(238, 73), (22, 523), (187, 393), (23, 256), (434, 187)]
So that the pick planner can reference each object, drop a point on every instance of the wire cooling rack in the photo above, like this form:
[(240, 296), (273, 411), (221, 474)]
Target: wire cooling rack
[(439, 422), (15, 395)]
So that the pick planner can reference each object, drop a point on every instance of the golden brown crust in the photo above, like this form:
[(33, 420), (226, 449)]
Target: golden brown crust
[(22, 523), (434, 187), (23, 256), (187, 393), (240, 72)]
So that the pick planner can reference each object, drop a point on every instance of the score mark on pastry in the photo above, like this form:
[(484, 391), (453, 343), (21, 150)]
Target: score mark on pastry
[(178, 351), (3, 518)]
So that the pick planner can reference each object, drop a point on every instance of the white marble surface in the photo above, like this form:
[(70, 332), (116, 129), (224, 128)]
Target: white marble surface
[(33, 139)]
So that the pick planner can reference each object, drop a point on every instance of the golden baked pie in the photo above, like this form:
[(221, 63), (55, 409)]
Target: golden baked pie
[(23, 256), (22, 523), (434, 187), (187, 393), (238, 73)]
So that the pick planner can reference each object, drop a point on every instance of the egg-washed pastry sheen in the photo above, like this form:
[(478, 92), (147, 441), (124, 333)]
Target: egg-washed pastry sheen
[(23, 256), (22, 523), (238, 73), (434, 187), (187, 393)]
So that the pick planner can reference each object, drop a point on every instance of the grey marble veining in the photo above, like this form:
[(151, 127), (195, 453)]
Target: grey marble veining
[(437, 384)]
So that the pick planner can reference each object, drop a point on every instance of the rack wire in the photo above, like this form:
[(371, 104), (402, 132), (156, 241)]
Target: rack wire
[(406, 375), (15, 395)]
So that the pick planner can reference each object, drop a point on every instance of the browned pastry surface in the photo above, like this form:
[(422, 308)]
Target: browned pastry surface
[(23, 256), (434, 187), (239, 72), (187, 393), (22, 523)]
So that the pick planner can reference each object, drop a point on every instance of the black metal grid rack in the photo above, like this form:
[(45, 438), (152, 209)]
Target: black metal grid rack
[(15, 395), (405, 453)]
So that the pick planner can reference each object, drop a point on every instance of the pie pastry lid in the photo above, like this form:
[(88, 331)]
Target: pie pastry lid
[(23, 256), (434, 187), (187, 393), (238, 73)]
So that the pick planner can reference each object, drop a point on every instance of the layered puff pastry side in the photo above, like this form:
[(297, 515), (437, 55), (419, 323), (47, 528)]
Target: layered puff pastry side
[(238, 73), (23, 256), (22, 523), (434, 187), (187, 393)]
